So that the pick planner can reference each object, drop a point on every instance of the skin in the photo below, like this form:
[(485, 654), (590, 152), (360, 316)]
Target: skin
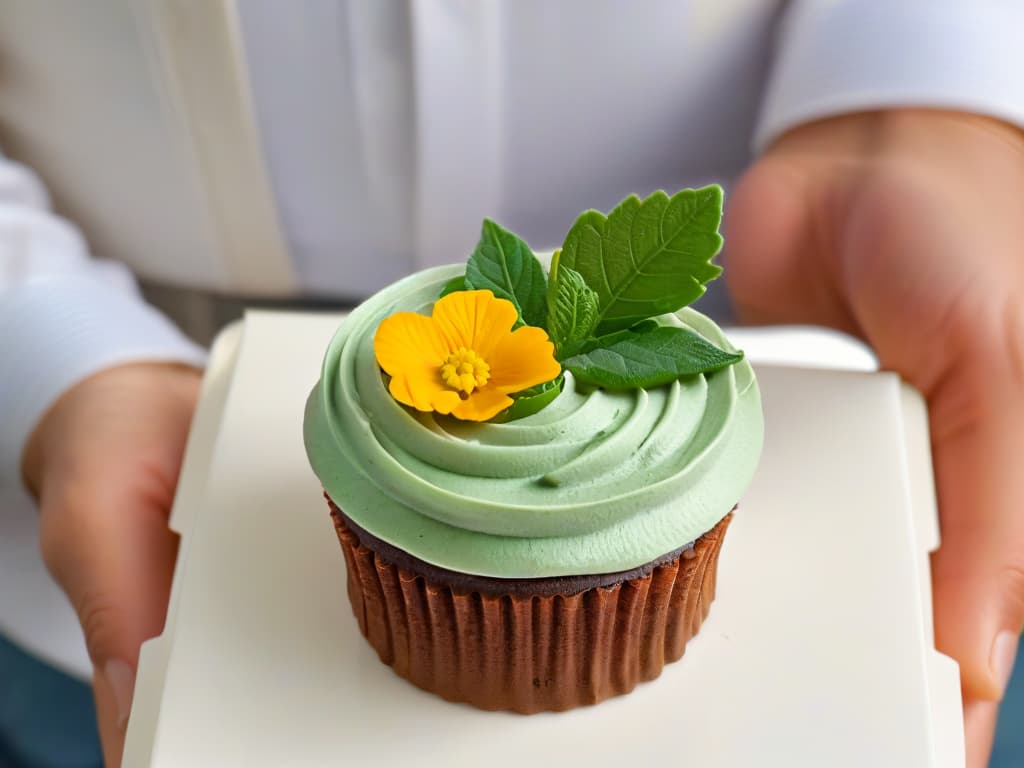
[(104, 463), (904, 228), (907, 229)]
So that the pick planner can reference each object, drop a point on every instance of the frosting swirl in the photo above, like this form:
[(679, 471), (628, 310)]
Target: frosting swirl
[(596, 482)]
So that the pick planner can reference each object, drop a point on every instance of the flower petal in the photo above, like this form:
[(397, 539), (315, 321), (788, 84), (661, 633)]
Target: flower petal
[(407, 342), (475, 320), (445, 401), (409, 347), (417, 391), (412, 348), (522, 359), (482, 405)]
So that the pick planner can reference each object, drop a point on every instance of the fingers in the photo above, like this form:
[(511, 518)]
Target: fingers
[(778, 250), (980, 719), (909, 277), (104, 461), (114, 556), (763, 227), (977, 417)]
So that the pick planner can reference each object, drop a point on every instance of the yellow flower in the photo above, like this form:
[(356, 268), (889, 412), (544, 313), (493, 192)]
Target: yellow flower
[(464, 359)]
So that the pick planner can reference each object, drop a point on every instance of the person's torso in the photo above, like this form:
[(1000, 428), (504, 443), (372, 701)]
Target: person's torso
[(328, 148)]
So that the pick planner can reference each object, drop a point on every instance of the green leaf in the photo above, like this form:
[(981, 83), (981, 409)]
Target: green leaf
[(647, 257), (612, 338), (650, 359), (503, 263), (572, 311), (531, 400), (454, 285)]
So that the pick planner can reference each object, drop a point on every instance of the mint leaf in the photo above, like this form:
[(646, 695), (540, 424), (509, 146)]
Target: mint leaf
[(650, 359), (531, 400), (453, 285), (613, 338), (647, 257), (572, 310), (503, 263)]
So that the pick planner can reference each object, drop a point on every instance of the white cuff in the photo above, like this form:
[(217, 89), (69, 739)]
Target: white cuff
[(57, 331), (837, 56)]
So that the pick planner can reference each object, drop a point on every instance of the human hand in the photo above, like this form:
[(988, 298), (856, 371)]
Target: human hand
[(104, 463), (906, 228)]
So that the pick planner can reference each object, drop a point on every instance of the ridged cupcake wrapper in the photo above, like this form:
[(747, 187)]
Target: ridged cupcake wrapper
[(530, 653)]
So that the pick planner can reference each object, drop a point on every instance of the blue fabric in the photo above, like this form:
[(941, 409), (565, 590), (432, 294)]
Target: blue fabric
[(47, 719), (1009, 747)]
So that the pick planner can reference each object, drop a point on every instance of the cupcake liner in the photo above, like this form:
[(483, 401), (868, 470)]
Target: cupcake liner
[(528, 652)]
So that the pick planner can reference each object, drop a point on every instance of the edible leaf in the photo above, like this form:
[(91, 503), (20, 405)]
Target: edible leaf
[(453, 285), (649, 359), (503, 263), (612, 338), (647, 257), (572, 311), (529, 401)]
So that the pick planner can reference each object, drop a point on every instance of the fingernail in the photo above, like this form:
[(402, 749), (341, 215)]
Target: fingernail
[(121, 679), (1004, 653)]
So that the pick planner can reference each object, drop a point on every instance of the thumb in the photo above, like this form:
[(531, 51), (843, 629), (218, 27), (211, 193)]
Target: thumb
[(111, 551), (779, 256), (978, 572)]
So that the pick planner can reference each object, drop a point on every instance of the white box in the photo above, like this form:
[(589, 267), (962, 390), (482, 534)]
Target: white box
[(818, 650)]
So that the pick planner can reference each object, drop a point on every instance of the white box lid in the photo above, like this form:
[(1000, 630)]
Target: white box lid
[(818, 650)]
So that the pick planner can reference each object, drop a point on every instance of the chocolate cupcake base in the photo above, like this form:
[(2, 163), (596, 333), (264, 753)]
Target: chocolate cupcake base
[(527, 645)]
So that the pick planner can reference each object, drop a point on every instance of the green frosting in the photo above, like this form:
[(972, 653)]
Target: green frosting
[(596, 482)]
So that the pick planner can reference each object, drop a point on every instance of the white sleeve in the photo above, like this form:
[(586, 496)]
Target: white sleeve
[(837, 56), (63, 315)]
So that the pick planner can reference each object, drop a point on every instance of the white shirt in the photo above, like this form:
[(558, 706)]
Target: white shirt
[(325, 147)]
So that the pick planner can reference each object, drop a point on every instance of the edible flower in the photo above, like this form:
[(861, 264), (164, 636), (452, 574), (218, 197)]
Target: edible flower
[(465, 359)]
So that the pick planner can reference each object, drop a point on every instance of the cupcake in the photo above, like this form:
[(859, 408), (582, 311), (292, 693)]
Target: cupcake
[(531, 470)]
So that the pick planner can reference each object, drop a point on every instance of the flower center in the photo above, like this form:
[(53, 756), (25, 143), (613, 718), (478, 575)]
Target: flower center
[(464, 370)]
